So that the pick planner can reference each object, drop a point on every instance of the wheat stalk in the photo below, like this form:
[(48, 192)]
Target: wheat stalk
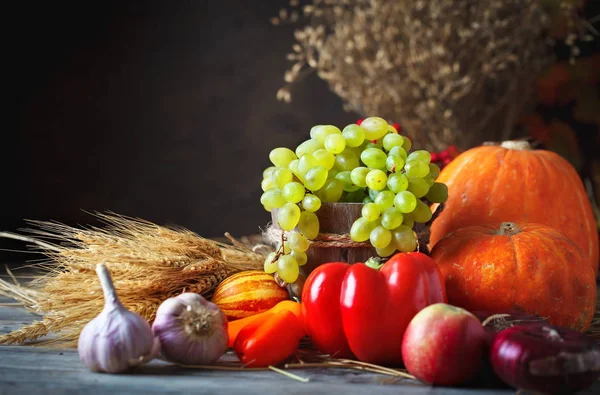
[(148, 263)]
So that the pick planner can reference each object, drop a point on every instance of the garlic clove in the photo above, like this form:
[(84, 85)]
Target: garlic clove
[(117, 339)]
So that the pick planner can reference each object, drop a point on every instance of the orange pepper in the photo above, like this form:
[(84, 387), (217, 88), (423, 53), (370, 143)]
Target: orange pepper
[(270, 339), (234, 327)]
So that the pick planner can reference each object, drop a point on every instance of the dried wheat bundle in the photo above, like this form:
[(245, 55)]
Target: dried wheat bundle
[(452, 71), (149, 263)]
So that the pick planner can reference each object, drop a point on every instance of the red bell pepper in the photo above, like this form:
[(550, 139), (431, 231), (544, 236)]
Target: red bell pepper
[(269, 339), (361, 311)]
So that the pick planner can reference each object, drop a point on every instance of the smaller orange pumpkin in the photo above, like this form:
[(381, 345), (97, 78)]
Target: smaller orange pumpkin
[(525, 266)]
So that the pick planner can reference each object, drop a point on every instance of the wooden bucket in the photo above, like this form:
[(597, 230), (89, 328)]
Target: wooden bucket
[(335, 221)]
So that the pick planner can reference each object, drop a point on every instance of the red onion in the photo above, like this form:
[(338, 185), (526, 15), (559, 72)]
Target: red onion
[(546, 358), (192, 330)]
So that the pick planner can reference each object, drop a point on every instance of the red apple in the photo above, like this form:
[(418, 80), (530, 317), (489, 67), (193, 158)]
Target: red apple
[(443, 345)]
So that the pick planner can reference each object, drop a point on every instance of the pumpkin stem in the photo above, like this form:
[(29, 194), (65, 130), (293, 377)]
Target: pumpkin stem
[(508, 229), (521, 145)]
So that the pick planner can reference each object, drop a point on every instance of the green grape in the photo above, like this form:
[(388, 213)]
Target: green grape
[(309, 224), (418, 187), (288, 269), (407, 144), (429, 180), (373, 194), (405, 201), (370, 144), (374, 127), (311, 203), (267, 208), (293, 192), (281, 157), (404, 238), (354, 196), (281, 176), (376, 179), (286, 247), (434, 170), (420, 155), (398, 151), (268, 171), (408, 220), (332, 190), (391, 218), (397, 182), (270, 265), (346, 161), (346, 179), (422, 212), (313, 130), (315, 178), (438, 193), (358, 176), (332, 173), (335, 143), (306, 162), (297, 241), (267, 183), (373, 158), (308, 147), (300, 257), (392, 140), (324, 158), (324, 131), (288, 216), (386, 251), (361, 229), (394, 164), (293, 166), (273, 198), (354, 135), (380, 237), (384, 200), (415, 168), (370, 212)]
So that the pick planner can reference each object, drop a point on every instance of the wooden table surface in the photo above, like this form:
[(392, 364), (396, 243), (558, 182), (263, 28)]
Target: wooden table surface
[(36, 370)]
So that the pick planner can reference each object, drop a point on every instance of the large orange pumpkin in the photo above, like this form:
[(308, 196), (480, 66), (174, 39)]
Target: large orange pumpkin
[(528, 267), (512, 182)]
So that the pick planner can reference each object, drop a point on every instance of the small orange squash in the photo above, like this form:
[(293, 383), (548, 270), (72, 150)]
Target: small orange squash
[(525, 266), (247, 293), (512, 182)]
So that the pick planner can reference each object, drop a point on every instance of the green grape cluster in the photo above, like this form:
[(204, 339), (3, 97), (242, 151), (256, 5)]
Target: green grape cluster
[(368, 163)]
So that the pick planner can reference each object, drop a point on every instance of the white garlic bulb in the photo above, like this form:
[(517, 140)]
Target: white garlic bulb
[(117, 339)]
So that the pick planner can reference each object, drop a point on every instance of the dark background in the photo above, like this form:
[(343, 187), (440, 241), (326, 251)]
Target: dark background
[(163, 110)]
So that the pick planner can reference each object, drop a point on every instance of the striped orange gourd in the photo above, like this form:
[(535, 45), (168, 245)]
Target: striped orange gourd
[(247, 293)]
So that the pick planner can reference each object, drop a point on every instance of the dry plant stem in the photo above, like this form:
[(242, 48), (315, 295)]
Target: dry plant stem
[(149, 263)]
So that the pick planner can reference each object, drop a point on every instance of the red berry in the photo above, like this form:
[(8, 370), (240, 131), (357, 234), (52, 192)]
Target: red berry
[(443, 155), (434, 157), (397, 127), (359, 122), (447, 160)]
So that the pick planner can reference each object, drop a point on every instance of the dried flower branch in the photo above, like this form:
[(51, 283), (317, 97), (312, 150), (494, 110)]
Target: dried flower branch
[(453, 72)]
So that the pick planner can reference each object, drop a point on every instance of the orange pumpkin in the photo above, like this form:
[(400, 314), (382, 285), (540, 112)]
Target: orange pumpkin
[(528, 267), (512, 182)]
